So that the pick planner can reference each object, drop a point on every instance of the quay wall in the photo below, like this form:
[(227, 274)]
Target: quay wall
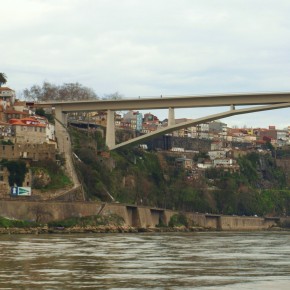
[(133, 215)]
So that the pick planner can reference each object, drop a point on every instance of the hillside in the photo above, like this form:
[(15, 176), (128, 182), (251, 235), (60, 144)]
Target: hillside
[(153, 178)]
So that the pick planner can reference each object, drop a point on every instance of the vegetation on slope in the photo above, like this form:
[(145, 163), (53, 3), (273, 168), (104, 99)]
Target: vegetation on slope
[(139, 177), (48, 175)]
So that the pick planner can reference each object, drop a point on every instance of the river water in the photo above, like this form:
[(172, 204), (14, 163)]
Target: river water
[(206, 260)]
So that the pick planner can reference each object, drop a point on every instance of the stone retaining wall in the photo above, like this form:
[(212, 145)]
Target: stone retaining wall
[(134, 216)]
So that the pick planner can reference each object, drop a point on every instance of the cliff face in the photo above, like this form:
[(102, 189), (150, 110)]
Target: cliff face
[(284, 164), (153, 178)]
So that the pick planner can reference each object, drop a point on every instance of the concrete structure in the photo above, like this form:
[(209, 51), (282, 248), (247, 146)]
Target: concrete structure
[(273, 101), (135, 216)]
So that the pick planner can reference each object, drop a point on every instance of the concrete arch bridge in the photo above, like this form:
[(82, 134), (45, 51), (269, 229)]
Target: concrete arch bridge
[(253, 102)]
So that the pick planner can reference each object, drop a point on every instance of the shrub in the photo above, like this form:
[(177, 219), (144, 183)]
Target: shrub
[(178, 220), (8, 223)]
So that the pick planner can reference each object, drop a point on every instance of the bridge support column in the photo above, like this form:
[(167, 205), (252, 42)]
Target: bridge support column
[(60, 116), (171, 117), (110, 133), (233, 107)]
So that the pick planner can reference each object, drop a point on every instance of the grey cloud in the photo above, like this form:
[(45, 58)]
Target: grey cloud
[(148, 47)]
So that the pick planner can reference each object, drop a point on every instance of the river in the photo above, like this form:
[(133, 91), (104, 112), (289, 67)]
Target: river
[(204, 260)]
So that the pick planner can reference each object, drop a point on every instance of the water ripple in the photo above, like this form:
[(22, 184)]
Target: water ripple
[(146, 261)]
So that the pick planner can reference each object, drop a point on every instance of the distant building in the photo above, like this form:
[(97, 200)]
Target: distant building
[(100, 118), (118, 119), (150, 123), (206, 164), (13, 114), (214, 154), (184, 132), (7, 97), (20, 106), (5, 129), (202, 131), (226, 164), (217, 126), (184, 162), (28, 130), (134, 120)]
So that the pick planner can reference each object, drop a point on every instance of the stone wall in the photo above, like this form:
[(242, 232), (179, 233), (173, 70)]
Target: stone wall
[(28, 151), (142, 217), (247, 223)]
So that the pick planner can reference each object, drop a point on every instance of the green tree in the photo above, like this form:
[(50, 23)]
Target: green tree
[(269, 146), (17, 171), (3, 79), (41, 112)]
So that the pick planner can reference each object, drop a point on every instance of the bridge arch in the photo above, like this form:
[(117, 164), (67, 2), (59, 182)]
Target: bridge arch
[(263, 102)]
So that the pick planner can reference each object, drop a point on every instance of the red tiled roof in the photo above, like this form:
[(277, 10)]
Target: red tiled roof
[(22, 122), (5, 89)]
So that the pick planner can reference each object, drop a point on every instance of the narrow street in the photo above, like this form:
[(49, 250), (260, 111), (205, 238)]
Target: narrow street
[(64, 146)]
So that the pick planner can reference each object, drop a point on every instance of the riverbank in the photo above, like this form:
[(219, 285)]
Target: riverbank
[(97, 229), (110, 229), (115, 217)]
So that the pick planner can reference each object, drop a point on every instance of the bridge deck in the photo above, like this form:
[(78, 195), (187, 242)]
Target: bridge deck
[(166, 102)]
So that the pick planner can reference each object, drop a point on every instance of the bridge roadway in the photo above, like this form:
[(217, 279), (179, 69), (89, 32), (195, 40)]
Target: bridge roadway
[(270, 100), (165, 102)]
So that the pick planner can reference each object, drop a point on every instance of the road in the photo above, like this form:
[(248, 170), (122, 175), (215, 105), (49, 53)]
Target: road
[(64, 146)]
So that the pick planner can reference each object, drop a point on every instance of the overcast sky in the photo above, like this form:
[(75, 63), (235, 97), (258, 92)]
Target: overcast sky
[(151, 47)]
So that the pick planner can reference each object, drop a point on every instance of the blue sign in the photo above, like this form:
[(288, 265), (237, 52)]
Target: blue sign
[(20, 191)]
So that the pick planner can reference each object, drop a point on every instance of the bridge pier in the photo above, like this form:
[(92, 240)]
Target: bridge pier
[(60, 116), (110, 132), (171, 117)]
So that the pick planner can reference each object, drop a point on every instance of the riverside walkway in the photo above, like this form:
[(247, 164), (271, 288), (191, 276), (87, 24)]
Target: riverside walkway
[(64, 146)]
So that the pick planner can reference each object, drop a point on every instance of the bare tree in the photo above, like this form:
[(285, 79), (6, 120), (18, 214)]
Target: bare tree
[(75, 91), (114, 96), (65, 92), (45, 93)]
